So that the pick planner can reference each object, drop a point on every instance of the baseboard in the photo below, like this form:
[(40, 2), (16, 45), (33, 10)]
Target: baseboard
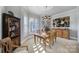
[(73, 38)]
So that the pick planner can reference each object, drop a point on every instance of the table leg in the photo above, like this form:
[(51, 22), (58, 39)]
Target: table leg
[(34, 39), (55, 39), (37, 39), (40, 40)]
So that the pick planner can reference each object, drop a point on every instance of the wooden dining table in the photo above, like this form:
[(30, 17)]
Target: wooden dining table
[(43, 36), (37, 36), (40, 37)]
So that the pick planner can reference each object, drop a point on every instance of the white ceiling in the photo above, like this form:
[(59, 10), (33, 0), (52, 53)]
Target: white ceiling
[(48, 10)]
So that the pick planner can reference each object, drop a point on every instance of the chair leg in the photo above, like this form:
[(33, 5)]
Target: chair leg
[(55, 39), (40, 40), (27, 48), (50, 44), (44, 44), (53, 42)]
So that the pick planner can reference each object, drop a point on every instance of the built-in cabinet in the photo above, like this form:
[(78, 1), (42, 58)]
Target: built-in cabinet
[(63, 33), (11, 28)]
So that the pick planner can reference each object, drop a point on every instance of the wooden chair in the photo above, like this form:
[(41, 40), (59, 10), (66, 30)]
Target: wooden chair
[(51, 38), (0, 43), (54, 35), (7, 45)]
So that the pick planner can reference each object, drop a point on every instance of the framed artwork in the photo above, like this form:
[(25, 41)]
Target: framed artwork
[(62, 22)]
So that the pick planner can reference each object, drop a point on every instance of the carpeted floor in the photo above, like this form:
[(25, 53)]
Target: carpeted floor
[(60, 46)]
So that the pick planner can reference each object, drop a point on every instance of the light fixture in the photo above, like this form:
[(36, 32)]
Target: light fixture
[(46, 17)]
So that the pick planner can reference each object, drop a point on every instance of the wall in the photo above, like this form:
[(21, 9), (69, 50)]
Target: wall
[(78, 22), (73, 21), (1, 10), (0, 26)]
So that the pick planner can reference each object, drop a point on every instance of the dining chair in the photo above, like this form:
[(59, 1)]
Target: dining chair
[(7, 45), (50, 39)]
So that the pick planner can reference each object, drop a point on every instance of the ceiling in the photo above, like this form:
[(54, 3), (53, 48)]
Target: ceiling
[(48, 10)]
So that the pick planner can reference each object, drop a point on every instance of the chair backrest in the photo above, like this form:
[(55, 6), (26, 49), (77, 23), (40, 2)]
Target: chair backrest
[(7, 44), (0, 43), (53, 32), (52, 35)]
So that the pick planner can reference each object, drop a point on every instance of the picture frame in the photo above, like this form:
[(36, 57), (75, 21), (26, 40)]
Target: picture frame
[(61, 22)]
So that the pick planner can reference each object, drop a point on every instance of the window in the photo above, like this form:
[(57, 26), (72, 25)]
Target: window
[(25, 30), (33, 24)]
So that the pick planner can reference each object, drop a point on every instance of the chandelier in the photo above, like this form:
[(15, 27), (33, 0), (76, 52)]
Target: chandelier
[(46, 17)]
